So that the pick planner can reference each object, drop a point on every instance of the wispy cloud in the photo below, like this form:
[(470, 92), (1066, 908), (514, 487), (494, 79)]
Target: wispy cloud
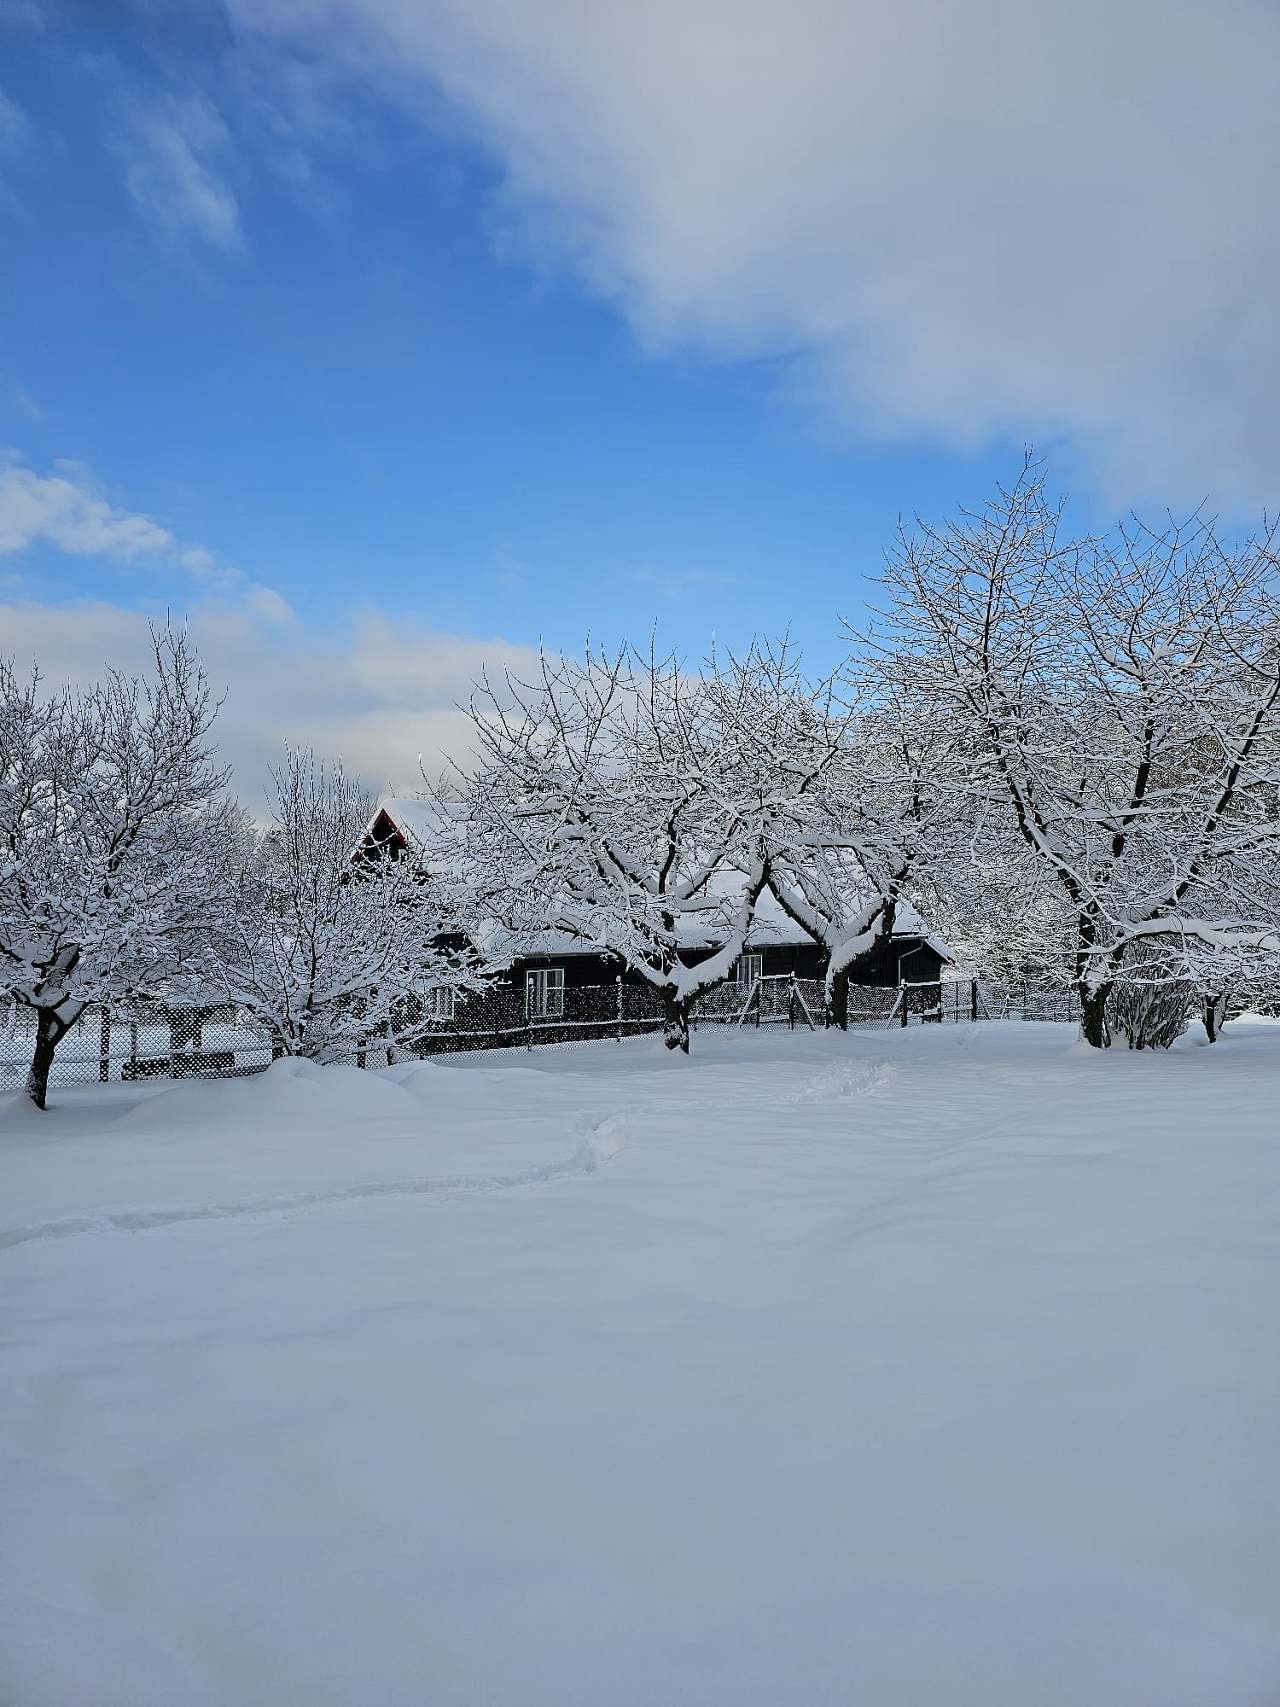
[(66, 510), (27, 403), (15, 135), (510, 571), (175, 153), (15, 129), (30, 14), (952, 223), (676, 584)]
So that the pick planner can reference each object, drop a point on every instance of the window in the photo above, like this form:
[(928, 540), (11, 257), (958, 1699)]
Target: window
[(440, 1003), (544, 993), (749, 968)]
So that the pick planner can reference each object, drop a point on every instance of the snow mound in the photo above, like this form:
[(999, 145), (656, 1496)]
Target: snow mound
[(294, 1093), (431, 1080)]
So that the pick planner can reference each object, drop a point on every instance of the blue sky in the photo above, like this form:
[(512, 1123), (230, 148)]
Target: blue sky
[(392, 314), (367, 404)]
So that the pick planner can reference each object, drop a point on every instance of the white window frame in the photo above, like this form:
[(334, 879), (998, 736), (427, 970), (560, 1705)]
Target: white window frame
[(748, 970), (442, 1003), (544, 993)]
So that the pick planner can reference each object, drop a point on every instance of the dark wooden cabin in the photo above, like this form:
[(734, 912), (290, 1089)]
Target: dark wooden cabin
[(546, 970)]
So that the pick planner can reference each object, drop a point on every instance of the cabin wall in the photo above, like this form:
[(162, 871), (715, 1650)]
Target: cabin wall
[(919, 963), (581, 971), (803, 959), (890, 962), (898, 960)]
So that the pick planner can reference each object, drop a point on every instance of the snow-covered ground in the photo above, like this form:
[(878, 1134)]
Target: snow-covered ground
[(928, 1367)]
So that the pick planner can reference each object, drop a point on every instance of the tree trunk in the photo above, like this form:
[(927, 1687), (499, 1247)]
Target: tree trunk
[(838, 999), (675, 1022), (1093, 1017), (1215, 1014), (50, 1031)]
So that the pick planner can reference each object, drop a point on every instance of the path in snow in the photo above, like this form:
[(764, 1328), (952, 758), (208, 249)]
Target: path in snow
[(585, 1159)]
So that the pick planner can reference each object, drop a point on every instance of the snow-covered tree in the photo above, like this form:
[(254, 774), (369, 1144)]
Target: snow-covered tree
[(851, 851), (328, 945), (105, 801), (979, 885), (1119, 698), (629, 802)]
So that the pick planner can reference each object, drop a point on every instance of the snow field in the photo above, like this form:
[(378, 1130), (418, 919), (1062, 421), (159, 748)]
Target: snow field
[(910, 1368)]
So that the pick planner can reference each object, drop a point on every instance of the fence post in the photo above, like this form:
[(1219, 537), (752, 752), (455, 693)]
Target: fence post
[(618, 986), (104, 1044), (902, 997), (791, 1002), (973, 1000), (361, 1057)]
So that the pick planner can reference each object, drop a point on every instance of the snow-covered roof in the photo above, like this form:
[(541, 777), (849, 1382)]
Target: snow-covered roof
[(771, 928), (422, 823), (774, 927), (499, 944)]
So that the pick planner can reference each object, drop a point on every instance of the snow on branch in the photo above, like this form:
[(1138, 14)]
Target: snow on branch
[(637, 806), (109, 810), (1118, 701), (330, 949)]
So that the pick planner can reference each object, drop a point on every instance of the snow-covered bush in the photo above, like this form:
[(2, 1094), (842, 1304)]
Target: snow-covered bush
[(1151, 1002)]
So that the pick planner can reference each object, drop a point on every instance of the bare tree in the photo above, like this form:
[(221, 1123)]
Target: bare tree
[(104, 795)]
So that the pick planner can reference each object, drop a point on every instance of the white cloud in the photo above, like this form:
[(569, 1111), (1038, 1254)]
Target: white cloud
[(174, 150), (377, 699), (1026, 217), (65, 510)]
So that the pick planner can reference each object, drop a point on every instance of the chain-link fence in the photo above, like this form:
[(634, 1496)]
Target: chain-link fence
[(504, 1017), (155, 1040), (773, 1000), (149, 1041), (1026, 1002)]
